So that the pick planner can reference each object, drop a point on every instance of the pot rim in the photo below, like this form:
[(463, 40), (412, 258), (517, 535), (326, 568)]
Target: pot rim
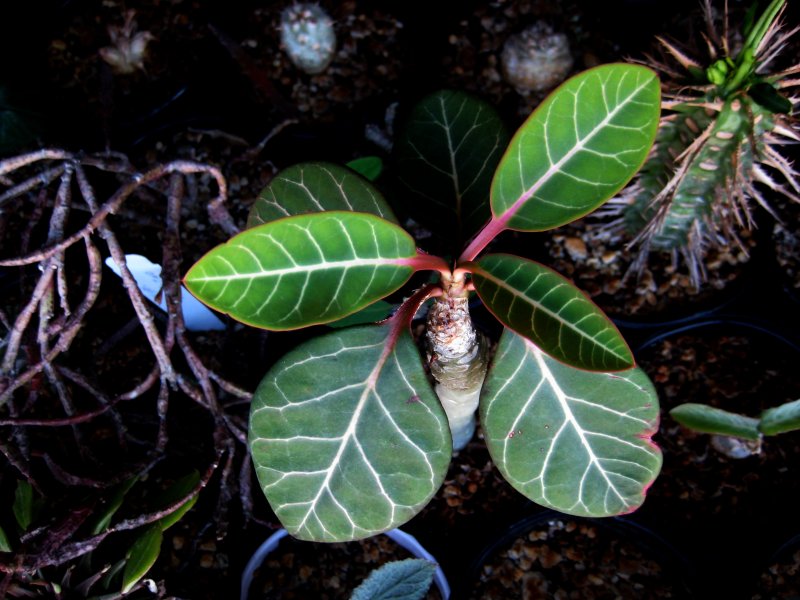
[(401, 538)]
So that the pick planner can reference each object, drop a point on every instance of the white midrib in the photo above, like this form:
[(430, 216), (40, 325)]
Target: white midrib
[(369, 387), (556, 166), (303, 269), (562, 400), (538, 306)]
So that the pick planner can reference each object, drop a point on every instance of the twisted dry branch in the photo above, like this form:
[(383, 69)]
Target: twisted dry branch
[(49, 320)]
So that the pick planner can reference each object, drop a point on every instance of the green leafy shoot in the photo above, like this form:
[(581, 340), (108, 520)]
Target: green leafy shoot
[(347, 435), (709, 419), (5, 545), (142, 556), (24, 506), (407, 579)]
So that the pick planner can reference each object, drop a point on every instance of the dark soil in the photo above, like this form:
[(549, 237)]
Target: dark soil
[(555, 557), (308, 571), (215, 87)]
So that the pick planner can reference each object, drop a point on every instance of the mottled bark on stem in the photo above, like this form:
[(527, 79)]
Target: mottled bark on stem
[(457, 360)]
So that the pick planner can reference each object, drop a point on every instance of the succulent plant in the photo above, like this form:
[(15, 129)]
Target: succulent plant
[(308, 37), (718, 145), (536, 59)]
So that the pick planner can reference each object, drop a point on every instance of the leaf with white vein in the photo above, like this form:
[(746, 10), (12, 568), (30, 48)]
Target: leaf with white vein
[(347, 436), (572, 440), (446, 157), (579, 147), (546, 308), (316, 187), (305, 270)]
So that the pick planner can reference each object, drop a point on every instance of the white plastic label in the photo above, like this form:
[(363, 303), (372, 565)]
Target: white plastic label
[(196, 315)]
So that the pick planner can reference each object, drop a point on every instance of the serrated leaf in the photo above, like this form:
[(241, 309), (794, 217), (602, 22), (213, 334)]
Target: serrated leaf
[(5, 546), (708, 419), (304, 270), (23, 504), (407, 579), (546, 308), (580, 146), (780, 419), (179, 489), (347, 436), (369, 167), (572, 440), (316, 187), (446, 157), (142, 556)]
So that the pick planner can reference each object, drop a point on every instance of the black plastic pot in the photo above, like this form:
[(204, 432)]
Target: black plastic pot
[(779, 576), (548, 553), (719, 507), (273, 545)]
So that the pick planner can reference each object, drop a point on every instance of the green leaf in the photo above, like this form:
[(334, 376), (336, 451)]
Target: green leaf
[(707, 419), (372, 314), (546, 308), (446, 157), (5, 546), (142, 556), (780, 419), (578, 148), (770, 98), (304, 270), (369, 167), (407, 579), (180, 489), (316, 187), (23, 506), (575, 441), (347, 436), (102, 520)]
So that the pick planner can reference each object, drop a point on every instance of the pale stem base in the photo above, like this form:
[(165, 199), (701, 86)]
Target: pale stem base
[(457, 359)]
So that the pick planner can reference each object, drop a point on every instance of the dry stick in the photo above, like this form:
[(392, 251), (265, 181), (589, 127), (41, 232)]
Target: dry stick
[(58, 219), (21, 464), (63, 476), (172, 291), (144, 386), (70, 329), (43, 179), (22, 321), (229, 387), (220, 215), (107, 404), (17, 162), (138, 301), (67, 552), (33, 221)]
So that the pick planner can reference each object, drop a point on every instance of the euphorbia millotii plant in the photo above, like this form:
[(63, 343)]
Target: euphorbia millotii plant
[(349, 435)]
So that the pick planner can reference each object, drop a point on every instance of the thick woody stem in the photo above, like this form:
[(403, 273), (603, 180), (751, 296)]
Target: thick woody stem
[(457, 360)]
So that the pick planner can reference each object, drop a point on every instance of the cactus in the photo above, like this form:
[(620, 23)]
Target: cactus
[(308, 37), (718, 141)]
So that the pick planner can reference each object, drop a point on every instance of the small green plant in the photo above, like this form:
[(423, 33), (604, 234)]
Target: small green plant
[(718, 142), (347, 434), (746, 433), (407, 579), (50, 563)]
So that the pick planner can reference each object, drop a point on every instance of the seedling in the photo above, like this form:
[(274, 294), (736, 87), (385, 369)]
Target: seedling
[(739, 435), (347, 434)]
